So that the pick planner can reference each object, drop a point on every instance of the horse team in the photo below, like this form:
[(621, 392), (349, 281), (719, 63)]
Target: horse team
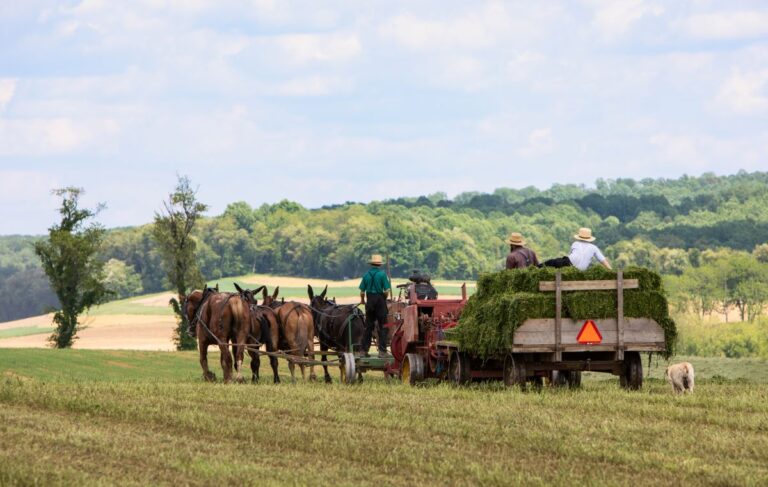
[(236, 323)]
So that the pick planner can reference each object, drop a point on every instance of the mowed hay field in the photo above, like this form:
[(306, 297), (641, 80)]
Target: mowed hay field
[(120, 417)]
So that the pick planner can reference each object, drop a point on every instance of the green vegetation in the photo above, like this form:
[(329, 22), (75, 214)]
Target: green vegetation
[(723, 280), (173, 233), (131, 307), (143, 418), (665, 225), (122, 279), (734, 340), (22, 331), (505, 299), (69, 259)]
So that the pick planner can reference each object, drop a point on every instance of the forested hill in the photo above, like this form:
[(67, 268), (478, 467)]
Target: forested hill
[(664, 224)]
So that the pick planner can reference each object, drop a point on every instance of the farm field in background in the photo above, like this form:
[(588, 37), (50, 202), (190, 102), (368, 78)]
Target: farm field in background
[(147, 322), (78, 416)]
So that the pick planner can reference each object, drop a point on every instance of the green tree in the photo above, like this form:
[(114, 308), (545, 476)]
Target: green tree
[(122, 279), (69, 259), (761, 253), (173, 234)]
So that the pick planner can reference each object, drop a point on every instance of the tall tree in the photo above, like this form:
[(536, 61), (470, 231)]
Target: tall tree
[(69, 259), (173, 233)]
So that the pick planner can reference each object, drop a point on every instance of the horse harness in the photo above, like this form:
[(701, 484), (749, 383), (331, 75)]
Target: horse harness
[(326, 337)]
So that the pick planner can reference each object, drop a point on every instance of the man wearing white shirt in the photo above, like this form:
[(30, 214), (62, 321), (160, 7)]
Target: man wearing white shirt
[(583, 250)]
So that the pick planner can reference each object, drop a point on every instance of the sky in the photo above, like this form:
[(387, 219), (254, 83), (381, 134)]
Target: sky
[(323, 102)]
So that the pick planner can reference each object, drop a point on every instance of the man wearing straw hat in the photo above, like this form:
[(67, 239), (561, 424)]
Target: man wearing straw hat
[(374, 287), (583, 250), (520, 256)]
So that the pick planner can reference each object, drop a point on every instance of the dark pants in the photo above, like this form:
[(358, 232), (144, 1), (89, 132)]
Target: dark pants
[(558, 262), (375, 315)]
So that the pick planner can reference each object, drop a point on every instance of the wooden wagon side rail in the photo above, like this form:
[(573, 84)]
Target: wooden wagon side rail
[(589, 285), (559, 286)]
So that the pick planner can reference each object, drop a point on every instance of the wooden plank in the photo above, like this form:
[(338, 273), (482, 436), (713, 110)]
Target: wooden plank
[(411, 323), (588, 285), (632, 347), (646, 347), (558, 313), (620, 313), (539, 331)]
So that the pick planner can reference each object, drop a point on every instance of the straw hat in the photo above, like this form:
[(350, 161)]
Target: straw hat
[(585, 235), (376, 260), (516, 239)]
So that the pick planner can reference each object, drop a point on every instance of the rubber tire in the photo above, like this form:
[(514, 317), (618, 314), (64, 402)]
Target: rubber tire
[(514, 371), (348, 372), (632, 379), (412, 369), (459, 372)]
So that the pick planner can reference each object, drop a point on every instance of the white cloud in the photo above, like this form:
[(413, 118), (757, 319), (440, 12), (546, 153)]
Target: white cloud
[(314, 86), (728, 25), (480, 28), (303, 48), (7, 89), (614, 18), (540, 141), (694, 153), (49, 136), (745, 92), (25, 187)]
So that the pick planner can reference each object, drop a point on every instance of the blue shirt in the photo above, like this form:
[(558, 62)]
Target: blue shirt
[(375, 281), (582, 253)]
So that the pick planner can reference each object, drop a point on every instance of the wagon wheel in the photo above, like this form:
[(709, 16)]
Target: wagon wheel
[(412, 369), (632, 378), (514, 371), (348, 374), (458, 369)]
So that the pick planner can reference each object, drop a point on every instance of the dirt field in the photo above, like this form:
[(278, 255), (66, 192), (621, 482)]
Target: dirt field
[(137, 324), (109, 332)]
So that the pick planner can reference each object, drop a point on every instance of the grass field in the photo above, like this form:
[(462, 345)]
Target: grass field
[(97, 417)]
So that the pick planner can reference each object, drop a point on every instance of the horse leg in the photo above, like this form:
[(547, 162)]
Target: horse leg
[(292, 368), (273, 364), (291, 341), (310, 353), (207, 374), (226, 362), (324, 348), (239, 353), (255, 362)]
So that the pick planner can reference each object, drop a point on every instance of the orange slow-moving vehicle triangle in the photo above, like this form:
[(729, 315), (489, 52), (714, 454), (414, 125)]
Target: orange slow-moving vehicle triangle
[(589, 333)]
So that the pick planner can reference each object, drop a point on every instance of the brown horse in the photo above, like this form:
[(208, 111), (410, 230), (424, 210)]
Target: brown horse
[(264, 329), (219, 318), (297, 331)]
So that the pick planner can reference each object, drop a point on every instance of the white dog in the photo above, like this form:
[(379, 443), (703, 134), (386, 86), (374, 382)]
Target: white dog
[(681, 377)]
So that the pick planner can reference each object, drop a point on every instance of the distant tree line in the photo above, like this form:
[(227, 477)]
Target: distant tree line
[(664, 224)]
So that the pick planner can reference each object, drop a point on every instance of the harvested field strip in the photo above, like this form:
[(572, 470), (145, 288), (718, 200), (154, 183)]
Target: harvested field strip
[(167, 427)]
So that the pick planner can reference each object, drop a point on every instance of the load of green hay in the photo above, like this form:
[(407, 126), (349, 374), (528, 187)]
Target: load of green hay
[(504, 300)]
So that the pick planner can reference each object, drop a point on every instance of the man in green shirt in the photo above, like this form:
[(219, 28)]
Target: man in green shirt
[(374, 287)]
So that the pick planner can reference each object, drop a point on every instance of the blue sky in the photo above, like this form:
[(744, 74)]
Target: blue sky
[(323, 102)]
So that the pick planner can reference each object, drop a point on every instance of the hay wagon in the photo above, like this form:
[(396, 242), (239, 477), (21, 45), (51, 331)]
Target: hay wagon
[(556, 348)]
